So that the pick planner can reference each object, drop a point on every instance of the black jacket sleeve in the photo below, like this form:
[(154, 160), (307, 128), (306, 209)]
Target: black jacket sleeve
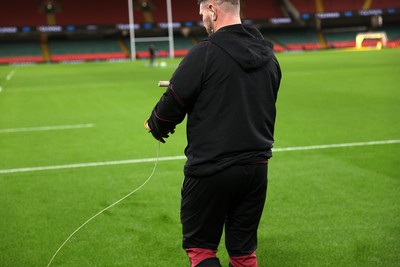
[(178, 99)]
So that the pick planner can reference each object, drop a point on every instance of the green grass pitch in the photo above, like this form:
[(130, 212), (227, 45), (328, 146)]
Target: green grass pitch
[(338, 206)]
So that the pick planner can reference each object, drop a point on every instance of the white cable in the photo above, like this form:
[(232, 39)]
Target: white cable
[(112, 205)]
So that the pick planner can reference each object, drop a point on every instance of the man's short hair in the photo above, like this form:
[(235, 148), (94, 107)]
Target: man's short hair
[(233, 2)]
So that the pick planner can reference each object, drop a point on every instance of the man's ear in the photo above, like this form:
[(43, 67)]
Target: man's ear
[(212, 10)]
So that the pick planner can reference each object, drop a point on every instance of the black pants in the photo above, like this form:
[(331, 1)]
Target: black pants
[(233, 198)]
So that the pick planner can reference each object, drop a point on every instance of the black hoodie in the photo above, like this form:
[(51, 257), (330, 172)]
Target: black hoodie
[(228, 85)]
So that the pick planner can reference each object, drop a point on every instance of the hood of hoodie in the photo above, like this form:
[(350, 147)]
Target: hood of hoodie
[(245, 45)]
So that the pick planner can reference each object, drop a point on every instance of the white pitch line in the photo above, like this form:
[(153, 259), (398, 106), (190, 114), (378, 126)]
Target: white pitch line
[(371, 143), (92, 164), (136, 161), (11, 75), (47, 128)]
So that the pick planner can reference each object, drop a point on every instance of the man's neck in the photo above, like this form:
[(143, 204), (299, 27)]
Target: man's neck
[(226, 21)]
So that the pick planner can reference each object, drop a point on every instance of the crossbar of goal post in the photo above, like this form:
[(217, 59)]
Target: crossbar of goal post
[(133, 39)]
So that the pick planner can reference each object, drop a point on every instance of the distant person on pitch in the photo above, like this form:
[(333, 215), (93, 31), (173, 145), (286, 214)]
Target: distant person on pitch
[(152, 55), (227, 85)]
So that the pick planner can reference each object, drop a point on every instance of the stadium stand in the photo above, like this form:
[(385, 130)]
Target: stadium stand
[(27, 48), (100, 49), (340, 39), (71, 12), (295, 39), (76, 12), (183, 10), (384, 3), (304, 6), (83, 46), (13, 14), (252, 9), (330, 6), (310, 6), (393, 34), (44, 47), (16, 52)]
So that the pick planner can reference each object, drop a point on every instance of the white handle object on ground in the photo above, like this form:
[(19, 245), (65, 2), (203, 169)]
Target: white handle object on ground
[(163, 83)]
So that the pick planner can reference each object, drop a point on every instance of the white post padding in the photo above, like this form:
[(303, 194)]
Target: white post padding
[(371, 35)]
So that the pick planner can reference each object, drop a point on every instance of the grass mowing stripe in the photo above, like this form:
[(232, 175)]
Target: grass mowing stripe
[(329, 207), (108, 207), (136, 161), (47, 128)]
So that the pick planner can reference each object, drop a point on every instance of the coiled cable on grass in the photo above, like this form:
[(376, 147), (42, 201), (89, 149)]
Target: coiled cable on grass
[(110, 206)]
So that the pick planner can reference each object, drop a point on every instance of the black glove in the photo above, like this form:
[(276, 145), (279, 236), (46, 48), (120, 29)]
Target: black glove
[(157, 134)]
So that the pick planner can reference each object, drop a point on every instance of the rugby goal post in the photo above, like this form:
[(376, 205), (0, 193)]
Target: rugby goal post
[(134, 39), (381, 36)]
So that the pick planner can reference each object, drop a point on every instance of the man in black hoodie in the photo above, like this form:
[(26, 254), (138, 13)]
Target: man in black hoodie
[(227, 85)]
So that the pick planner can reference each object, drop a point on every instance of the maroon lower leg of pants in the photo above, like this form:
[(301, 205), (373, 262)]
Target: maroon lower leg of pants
[(197, 255), (244, 261)]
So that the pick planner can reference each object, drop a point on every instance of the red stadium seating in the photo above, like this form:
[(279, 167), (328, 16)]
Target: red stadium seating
[(253, 9), (162, 53), (88, 57), (342, 44), (294, 47), (76, 12), (309, 6), (304, 6), (312, 46), (343, 5), (15, 14), (181, 52), (279, 48), (22, 59), (385, 3), (182, 10), (100, 12), (392, 44)]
